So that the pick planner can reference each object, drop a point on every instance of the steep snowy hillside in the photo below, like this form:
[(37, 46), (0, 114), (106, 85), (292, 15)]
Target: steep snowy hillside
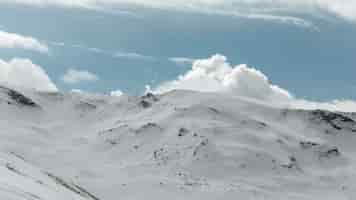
[(19, 180), (179, 145)]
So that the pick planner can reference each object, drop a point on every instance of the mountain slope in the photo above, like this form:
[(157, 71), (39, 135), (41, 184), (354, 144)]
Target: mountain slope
[(19, 180), (181, 145)]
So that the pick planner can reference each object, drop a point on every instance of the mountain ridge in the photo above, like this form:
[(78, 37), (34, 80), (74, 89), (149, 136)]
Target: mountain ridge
[(181, 145)]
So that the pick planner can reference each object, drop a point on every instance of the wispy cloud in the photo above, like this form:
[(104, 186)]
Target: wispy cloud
[(13, 40), (282, 19), (116, 93), (133, 55), (108, 6), (182, 60), (115, 54), (74, 76), (257, 14), (252, 9)]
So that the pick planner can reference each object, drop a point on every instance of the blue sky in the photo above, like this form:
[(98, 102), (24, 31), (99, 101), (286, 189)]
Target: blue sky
[(312, 55)]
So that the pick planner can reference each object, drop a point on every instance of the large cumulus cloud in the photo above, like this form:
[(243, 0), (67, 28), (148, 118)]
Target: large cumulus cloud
[(215, 74), (22, 73)]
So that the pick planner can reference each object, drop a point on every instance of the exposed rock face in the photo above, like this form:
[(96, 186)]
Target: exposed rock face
[(150, 97), (147, 100), (335, 120), (182, 132), (145, 104), (18, 98), (330, 152), (308, 145)]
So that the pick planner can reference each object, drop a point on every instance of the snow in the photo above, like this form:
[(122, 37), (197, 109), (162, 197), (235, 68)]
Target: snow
[(178, 145)]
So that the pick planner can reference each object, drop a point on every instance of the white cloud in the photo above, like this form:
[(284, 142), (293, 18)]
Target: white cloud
[(335, 105), (116, 93), (258, 9), (132, 55), (114, 54), (73, 76), (77, 91), (64, 3), (12, 40), (215, 74), (182, 60), (23, 73)]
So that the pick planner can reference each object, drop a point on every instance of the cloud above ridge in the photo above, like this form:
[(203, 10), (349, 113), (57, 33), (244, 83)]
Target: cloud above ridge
[(116, 93), (215, 74), (22, 73), (335, 105), (13, 40)]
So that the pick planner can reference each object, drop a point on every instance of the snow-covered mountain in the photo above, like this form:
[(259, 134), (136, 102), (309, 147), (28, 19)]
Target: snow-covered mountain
[(179, 145)]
